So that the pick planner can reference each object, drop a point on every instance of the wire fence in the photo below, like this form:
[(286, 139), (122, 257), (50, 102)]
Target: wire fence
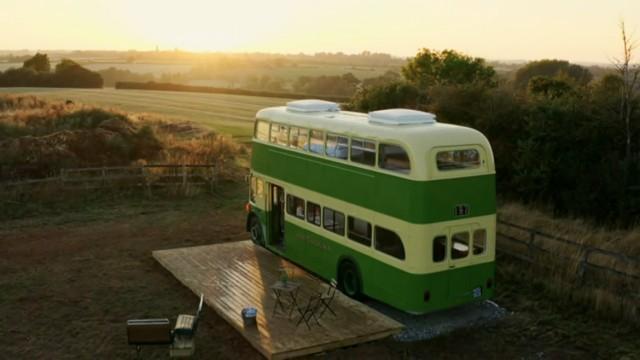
[(582, 259), (144, 176)]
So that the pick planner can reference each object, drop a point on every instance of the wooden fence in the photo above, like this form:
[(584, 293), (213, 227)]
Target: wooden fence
[(588, 258), (147, 176)]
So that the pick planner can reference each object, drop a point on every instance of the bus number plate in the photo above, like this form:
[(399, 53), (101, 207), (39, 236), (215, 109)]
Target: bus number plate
[(461, 210), (477, 292)]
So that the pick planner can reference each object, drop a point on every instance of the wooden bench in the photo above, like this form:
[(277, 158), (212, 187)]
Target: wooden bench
[(143, 332)]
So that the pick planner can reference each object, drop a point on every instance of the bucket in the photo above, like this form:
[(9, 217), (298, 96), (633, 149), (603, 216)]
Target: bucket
[(249, 315)]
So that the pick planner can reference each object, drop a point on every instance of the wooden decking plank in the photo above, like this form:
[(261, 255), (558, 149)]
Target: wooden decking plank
[(235, 275)]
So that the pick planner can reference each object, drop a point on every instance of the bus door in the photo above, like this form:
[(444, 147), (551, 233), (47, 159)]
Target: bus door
[(462, 285), (276, 216)]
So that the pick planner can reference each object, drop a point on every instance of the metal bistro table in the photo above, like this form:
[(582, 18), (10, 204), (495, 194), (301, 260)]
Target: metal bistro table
[(282, 289)]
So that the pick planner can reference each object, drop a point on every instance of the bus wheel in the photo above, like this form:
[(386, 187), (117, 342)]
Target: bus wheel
[(349, 280), (255, 230)]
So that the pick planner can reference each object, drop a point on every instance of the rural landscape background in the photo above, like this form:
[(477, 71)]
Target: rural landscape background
[(106, 155)]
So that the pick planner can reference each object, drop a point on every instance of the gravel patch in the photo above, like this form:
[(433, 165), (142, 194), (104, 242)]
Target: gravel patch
[(428, 326)]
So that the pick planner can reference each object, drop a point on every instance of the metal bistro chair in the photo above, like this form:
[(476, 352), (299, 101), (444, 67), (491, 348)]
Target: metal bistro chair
[(326, 298), (308, 312)]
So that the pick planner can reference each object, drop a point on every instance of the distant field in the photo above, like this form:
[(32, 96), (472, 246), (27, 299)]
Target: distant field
[(231, 114)]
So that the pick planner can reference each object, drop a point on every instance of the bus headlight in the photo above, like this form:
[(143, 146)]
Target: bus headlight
[(489, 283), (427, 296)]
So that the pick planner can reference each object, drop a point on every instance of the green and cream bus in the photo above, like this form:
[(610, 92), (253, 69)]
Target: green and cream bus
[(391, 204)]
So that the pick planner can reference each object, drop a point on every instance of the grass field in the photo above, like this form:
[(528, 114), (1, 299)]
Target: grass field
[(230, 114)]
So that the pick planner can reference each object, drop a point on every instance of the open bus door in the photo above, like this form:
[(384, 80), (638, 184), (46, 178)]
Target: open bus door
[(276, 217)]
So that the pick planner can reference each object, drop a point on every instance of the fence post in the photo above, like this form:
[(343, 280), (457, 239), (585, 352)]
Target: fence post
[(532, 238), (582, 266), (63, 175)]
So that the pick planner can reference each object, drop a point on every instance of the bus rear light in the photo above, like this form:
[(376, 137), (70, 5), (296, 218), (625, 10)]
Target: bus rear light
[(489, 283), (427, 296), (247, 207)]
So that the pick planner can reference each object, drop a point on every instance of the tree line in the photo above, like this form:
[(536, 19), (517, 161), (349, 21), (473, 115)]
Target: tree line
[(560, 138), (36, 72)]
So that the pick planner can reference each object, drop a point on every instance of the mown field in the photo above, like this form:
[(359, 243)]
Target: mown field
[(230, 114)]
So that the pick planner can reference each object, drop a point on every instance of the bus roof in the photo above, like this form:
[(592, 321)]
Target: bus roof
[(418, 137)]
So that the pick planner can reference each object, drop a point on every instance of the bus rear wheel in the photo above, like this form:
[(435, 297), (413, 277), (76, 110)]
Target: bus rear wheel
[(349, 280), (255, 230)]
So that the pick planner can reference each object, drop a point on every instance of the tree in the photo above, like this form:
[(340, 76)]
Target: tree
[(548, 87), (39, 62), (629, 74), (385, 96), (573, 74), (448, 67), (68, 73)]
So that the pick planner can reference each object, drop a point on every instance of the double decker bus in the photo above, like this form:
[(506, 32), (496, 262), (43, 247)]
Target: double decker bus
[(392, 204)]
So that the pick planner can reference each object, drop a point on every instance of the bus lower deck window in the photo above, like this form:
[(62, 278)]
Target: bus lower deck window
[(458, 159), (363, 151), (389, 243), (460, 245), (333, 221), (295, 206), (479, 241), (359, 231), (394, 158), (439, 248), (313, 213)]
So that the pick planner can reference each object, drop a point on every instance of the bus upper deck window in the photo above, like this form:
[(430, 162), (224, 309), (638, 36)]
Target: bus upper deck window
[(316, 142), (458, 159), (262, 130), (299, 138), (394, 158), (279, 134), (337, 146), (363, 151)]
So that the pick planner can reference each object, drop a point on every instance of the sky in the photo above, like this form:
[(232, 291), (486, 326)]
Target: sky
[(575, 30)]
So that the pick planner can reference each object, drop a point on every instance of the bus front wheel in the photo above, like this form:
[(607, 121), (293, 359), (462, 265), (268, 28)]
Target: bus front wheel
[(255, 230), (349, 280)]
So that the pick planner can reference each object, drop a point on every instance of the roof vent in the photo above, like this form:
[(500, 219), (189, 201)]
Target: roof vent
[(401, 117), (312, 105)]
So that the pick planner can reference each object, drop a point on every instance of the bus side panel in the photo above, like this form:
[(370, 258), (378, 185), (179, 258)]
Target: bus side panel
[(431, 201), (395, 287)]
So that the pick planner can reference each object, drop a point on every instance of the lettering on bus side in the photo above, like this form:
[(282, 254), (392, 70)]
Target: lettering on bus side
[(313, 241), (461, 210)]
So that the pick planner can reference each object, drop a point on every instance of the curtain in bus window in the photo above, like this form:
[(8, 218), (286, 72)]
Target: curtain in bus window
[(295, 206), (299, 138), (337, 146), (394, 158), (262, 130), (316, 142), (363, 151)]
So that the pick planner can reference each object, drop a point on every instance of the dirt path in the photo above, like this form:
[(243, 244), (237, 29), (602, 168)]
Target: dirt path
[(68, 283)]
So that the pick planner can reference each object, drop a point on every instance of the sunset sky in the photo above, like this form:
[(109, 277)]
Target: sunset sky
[(577, 30)]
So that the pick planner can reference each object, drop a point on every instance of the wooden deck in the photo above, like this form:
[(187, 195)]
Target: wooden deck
[(235, 275)]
